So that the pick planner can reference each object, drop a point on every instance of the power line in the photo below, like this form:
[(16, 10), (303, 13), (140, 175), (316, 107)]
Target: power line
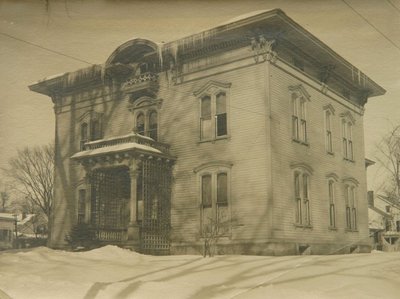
[(44, 48), (372, 25), (394, 6)]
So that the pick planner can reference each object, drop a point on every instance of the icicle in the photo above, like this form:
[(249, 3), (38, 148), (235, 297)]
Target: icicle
[(160, 54), (352, 73), (359, 77)]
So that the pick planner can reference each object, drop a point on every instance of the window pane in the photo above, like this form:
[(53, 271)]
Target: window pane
[(95, 130), (295, 127), (221, 103), (206, 107), (153, 125), (206, 190), (330, 187), (294, 105), (84, 131), (221, 125), (206, 129), (297, 185), (332, 215), (328, 120), (140, 124), (222, 188), (305, 186)]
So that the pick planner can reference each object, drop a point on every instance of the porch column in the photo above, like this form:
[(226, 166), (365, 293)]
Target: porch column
[(133, 227)]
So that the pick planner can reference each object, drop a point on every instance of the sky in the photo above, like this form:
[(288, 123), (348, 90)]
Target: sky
[(36, 42)]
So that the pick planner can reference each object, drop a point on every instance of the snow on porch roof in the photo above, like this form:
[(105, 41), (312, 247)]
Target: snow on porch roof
[(128, 146)]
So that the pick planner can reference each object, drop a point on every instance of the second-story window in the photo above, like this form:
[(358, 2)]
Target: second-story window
[(84, 135), (140, 124), (328, 131), (213, 105), (347, 140), (147, 124), (299, 99), (213, 116)]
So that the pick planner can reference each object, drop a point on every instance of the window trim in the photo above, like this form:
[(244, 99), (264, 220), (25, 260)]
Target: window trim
[(302, 195), (83, 186), (146, 106), (213, 169), (299, 97), (347, 123), (351, 204), (212, 89), (329, 112)]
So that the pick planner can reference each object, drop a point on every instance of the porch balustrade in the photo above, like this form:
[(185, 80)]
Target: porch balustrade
[(146, 83), (126, 139), (111, 235)]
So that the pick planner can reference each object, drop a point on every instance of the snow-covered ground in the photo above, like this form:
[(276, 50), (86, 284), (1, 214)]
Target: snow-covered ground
[(111, 272)]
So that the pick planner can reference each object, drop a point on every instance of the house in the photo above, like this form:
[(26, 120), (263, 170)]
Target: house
[(250, 133), (384, 222), (28, 226), (7, 230)]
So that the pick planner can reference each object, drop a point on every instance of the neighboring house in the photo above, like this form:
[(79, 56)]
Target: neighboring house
[(7, 230), (252, 131), (384, 222)]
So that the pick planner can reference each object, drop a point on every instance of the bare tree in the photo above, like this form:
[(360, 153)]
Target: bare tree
[(389, 159), (32, 169)]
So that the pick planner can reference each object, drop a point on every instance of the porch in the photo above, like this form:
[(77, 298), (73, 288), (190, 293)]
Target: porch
[(127, 199)]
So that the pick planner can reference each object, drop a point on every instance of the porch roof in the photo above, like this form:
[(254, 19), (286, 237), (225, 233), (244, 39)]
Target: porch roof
[(118, 148)]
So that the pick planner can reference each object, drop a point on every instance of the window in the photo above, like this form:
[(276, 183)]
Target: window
[(147, 123), (299, 98), (213, 128), (214, 198), (84, 135), (5, 235), (153, 125), (214, 203), (347, 136), (140, 124), (213, 100), (347, 140), (302, 198), (332, 212), (351, 209), (220, 115), (95, 129), (328, 131), (90, 128), (81, 206)]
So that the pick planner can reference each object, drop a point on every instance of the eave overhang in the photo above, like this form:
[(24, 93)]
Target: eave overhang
[(272, 24)]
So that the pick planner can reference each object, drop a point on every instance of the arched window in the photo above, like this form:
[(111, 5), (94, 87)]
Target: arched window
[(140, 124), (153, 125)]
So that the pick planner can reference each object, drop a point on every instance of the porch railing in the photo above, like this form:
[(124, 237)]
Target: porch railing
[(133, 137), (111, 235)]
